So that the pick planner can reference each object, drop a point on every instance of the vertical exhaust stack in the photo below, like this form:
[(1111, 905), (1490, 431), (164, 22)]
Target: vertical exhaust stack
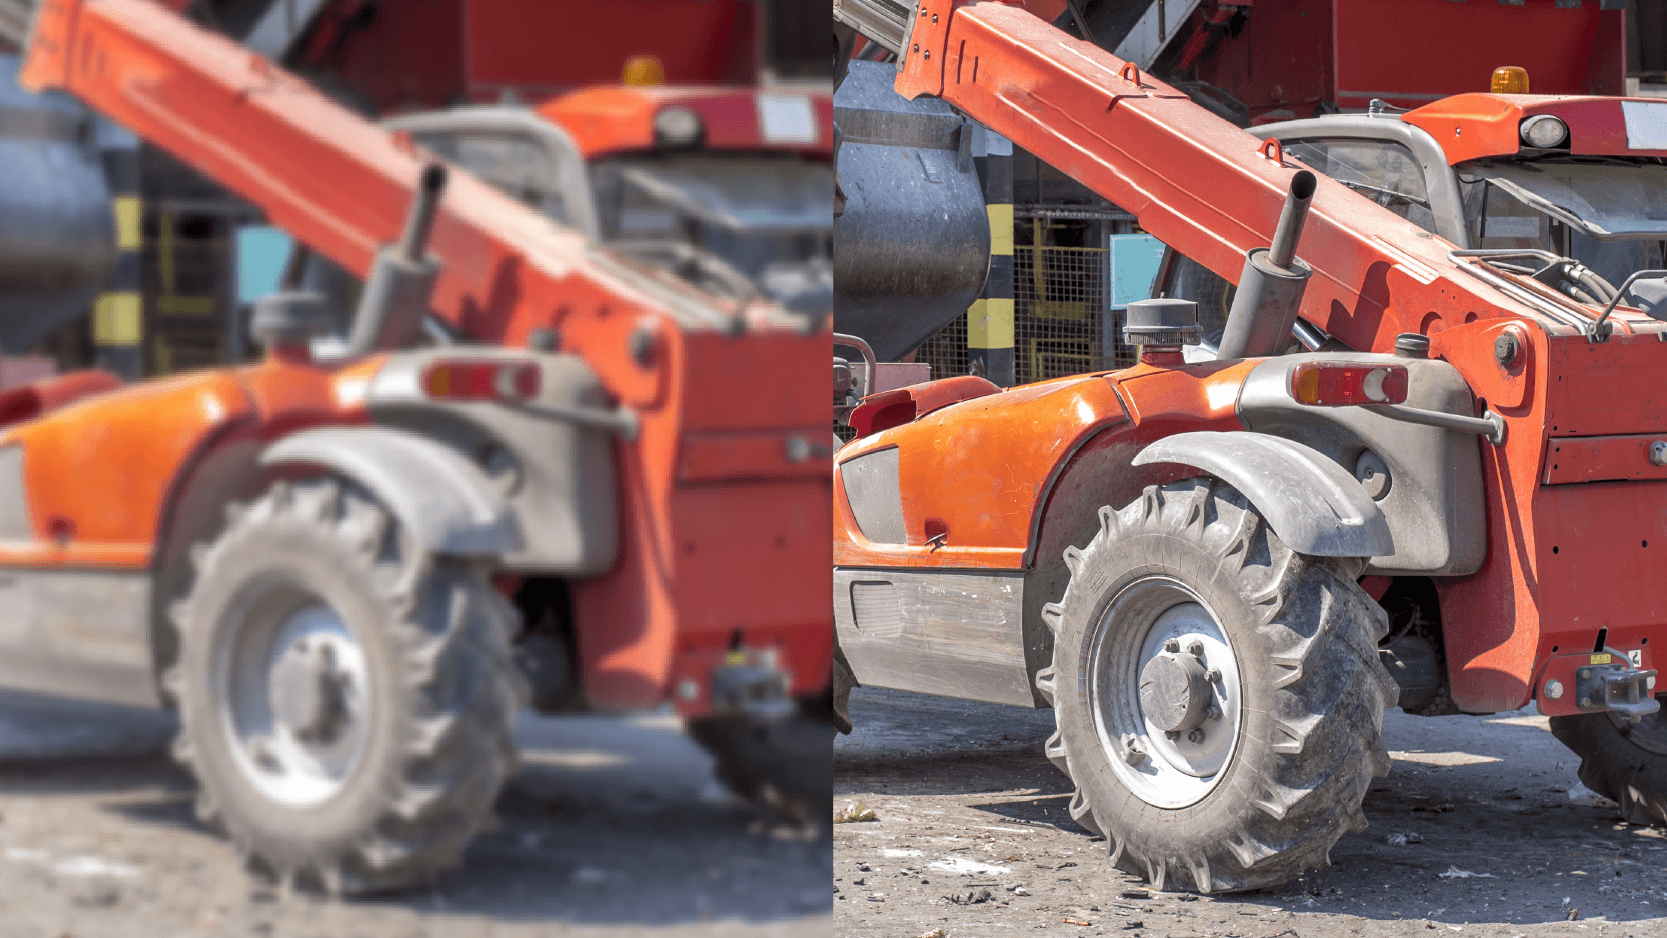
[(1271, 286), (395, 298)]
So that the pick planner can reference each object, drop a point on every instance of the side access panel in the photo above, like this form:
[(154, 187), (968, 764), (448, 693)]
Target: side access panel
[(949, 633), (77, 633)]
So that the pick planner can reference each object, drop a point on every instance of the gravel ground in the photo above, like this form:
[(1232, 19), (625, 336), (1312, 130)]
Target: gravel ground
[(1473, 833), (615, 827)]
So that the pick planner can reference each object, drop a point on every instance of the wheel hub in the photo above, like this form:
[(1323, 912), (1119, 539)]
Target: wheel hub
[(297, 696), (1165, 692), (307, 691), (1174, 693)]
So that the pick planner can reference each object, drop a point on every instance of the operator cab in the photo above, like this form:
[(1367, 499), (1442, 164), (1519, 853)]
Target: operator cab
[(726, 188), (1579, 181)]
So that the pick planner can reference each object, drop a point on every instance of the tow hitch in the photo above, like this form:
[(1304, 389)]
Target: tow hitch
[(1596, 682), (752, 686), (1616, 687)]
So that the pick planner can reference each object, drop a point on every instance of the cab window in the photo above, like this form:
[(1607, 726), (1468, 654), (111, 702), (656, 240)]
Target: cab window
[(1381, 170)]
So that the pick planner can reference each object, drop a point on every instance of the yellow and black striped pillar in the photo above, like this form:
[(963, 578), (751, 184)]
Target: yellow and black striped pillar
[(118, 314), (990, 318)]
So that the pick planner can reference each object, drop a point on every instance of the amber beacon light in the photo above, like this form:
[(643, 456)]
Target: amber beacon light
[(1509, 79)]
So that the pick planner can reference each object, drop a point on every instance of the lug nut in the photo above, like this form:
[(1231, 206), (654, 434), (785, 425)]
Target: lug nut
[(1195, 737), (1214, 713), (1195, 648), (1213, 675), (1172, 734), (1131, 750), (1172, 645)]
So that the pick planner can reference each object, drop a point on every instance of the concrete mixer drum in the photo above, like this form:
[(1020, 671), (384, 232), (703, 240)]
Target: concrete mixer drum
[(912, 246), (57, 230)]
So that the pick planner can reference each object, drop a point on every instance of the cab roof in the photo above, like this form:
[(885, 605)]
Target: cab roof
[(1477, 126), (614, 119)]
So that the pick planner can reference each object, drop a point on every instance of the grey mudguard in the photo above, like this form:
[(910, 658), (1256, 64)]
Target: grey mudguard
[(1435, 500), (447, 504), (551, 459), (1311, 502)]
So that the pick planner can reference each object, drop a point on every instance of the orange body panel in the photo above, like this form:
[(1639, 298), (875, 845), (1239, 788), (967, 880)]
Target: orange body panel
[(991, 507), (611, 120), (98, 473), (342, 187), (1475, 126)]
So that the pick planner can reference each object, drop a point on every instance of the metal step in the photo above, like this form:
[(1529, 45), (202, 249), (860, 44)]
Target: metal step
[(883, 21), (15, 17)]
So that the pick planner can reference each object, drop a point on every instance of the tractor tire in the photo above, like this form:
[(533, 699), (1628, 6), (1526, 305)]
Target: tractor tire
[(1624, 762), (346, 700), (784, 767), (1246, 774), (844, 681)]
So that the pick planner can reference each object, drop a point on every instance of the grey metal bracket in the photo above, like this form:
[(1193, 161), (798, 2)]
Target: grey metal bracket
[(1490, 425)]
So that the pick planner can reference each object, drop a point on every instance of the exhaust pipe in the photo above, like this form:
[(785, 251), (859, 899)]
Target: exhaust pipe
[(395, 298), (1270, 289)]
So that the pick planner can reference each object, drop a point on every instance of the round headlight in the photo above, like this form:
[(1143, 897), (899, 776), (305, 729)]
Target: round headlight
[(1544, 131), (677, 127)]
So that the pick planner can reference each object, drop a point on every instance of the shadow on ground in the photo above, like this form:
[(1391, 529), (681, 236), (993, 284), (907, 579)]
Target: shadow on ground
[(616, 823), (1489, 841)]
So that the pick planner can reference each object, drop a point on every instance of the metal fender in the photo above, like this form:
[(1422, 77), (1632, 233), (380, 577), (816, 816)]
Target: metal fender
[(447, 504), (1312, 504)]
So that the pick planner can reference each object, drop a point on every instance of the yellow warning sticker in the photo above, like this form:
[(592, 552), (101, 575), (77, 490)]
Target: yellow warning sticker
[(1602, 659)]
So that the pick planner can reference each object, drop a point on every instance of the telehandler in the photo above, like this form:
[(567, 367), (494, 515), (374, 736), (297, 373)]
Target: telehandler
[(1396, 437), (523, 445)]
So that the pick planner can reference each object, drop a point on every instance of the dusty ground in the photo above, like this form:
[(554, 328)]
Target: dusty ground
[(967, 803), (614, 828)]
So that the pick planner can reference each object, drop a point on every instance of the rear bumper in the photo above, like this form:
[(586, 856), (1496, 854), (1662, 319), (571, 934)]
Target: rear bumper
[(1578, 573)]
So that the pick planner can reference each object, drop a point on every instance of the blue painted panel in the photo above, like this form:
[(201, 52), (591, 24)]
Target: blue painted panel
[(262, 253), (1134, 264)]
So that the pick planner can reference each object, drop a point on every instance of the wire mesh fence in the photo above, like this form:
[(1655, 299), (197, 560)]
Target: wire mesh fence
[(946, 350), (1061, 321), (1058, 311)]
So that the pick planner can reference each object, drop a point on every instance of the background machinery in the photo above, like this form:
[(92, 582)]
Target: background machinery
[(521, 444), (195, 256), (1384, 446), (1079, 259)]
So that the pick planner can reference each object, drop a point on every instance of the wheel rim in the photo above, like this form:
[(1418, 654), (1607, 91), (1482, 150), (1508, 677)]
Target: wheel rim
[(1166, 768), (295, 695)]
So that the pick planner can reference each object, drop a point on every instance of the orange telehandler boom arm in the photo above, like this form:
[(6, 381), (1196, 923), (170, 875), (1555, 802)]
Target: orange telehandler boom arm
[(672, 355), (1196, 182)]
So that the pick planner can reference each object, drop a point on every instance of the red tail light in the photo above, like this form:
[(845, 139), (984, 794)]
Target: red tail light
[(483, 380), (1334, 384)]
